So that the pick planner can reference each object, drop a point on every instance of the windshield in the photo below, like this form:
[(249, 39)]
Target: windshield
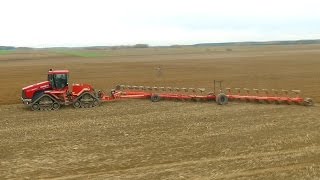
[(58, 81)]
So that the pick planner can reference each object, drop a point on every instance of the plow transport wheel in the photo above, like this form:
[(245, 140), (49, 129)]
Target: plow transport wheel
[(221, 99), (155, 98)]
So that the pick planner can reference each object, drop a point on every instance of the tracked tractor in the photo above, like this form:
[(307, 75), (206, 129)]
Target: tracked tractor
[(51, 94)]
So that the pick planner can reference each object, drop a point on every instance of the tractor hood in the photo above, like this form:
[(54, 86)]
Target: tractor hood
[(30, 90), (41, 85)]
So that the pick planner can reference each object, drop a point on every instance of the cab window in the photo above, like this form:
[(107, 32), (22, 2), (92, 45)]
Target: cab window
[(60, 80)]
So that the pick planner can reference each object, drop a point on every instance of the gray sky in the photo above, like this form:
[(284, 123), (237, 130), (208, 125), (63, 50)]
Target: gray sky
[(44, 23)]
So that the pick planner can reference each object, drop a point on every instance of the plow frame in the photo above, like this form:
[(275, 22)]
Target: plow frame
[(157, 96)]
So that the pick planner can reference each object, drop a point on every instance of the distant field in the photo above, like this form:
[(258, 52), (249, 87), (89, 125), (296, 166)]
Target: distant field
[(81, 53), (3, 52), (165, 140)]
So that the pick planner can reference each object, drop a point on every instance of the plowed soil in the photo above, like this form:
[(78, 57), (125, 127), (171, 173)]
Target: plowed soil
[(137, 139)]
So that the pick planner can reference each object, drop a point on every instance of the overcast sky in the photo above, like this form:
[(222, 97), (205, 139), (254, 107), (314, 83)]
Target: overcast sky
[(44, 23)]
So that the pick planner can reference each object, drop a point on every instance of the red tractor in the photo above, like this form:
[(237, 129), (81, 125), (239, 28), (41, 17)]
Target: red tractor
[(51, 94)]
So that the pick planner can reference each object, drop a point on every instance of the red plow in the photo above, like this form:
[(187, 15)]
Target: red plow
[(156, 94)]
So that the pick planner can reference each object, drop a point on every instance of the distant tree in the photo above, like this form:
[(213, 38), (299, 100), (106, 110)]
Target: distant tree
[(7, 48), (141, 46), (176, 46), (114, 48)]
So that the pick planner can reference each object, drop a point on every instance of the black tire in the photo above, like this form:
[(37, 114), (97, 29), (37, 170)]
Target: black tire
[(308, 102), (86, 100), (155, 98), (35, 107), (77, 104), (46, 103), (221, 99), (96, 103), (55, 106)]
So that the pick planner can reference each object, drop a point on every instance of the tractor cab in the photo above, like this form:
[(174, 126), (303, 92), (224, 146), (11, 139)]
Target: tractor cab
[(58, 79)]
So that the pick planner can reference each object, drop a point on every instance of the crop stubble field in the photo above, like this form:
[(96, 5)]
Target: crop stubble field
[(174, 140)]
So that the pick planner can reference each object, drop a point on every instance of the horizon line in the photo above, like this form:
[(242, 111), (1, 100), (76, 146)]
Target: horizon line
[(170, 45)]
